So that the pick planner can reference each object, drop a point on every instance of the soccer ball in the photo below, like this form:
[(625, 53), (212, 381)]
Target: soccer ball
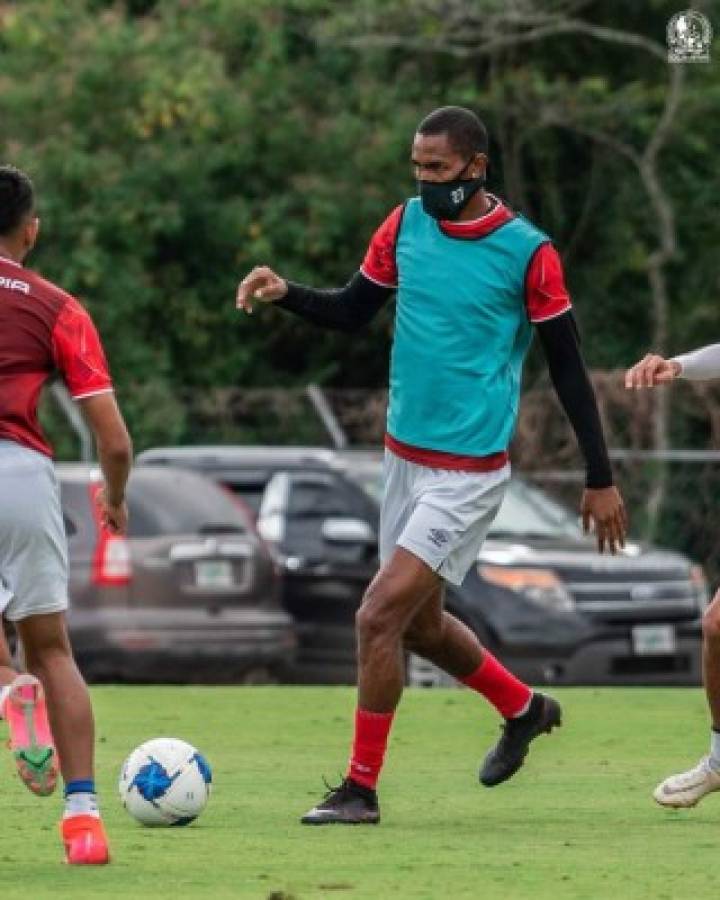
[(165, 782)]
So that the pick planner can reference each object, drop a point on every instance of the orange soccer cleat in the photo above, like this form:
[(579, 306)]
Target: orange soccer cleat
[(31, 741), (85, 840)]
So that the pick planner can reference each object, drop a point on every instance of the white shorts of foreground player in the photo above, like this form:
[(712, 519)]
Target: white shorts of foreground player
[(440, 516)]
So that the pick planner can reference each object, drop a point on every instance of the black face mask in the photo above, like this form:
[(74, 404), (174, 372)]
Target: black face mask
[(447, 199)]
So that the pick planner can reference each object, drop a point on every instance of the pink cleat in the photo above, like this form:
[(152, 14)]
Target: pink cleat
[(31, 741), (85, 841)]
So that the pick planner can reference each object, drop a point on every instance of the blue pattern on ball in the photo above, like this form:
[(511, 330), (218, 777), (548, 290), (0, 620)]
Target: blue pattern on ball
[(204, 767), (152, 781)]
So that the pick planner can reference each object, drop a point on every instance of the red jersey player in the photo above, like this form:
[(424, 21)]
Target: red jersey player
[(44, 330)]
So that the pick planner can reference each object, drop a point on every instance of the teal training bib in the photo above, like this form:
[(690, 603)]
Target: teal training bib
[(461, 334)]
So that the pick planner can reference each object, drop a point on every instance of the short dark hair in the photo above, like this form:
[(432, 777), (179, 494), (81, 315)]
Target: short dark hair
[(465, 131), (17, 198)]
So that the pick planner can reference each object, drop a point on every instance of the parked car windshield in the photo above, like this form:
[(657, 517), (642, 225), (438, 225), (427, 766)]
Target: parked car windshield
[(163, 502), (527, 511), (251, 494)]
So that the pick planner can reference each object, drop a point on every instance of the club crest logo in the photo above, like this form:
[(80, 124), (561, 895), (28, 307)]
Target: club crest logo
[(458, 195), (689, 35)]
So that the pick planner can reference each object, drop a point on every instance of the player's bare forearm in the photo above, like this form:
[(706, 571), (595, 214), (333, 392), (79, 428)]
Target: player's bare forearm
[(115, 462), (113, 442)]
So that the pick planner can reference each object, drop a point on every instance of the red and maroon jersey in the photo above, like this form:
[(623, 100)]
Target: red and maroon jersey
[(42, 330), (545, 293)]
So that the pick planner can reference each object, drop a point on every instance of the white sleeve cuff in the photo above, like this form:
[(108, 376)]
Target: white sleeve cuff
[(107, 390), (700, 365)]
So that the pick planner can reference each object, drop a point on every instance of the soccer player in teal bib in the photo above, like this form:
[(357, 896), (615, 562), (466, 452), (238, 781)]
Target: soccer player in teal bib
[(473, 280)]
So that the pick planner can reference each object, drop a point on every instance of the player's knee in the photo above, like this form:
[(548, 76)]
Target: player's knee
[(376, 619), (368, 623), (711, 620)]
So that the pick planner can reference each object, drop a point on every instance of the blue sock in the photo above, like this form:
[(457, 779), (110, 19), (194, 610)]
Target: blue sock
[(85, 786), (80, 798)]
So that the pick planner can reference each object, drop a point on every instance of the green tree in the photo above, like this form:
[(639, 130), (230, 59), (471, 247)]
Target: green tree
[(176, 144)]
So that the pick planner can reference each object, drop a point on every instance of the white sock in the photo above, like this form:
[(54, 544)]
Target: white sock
[(714, 750), (4, 691), (81, 804)]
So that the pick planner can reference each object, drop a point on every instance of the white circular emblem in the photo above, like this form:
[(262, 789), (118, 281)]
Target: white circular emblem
[(689, 35)]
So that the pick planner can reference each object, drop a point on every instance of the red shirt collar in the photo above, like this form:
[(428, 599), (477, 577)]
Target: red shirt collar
[(477, 228)]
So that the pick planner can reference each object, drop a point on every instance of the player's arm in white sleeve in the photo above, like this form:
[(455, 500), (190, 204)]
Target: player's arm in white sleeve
[(653, 370), (700, 365)]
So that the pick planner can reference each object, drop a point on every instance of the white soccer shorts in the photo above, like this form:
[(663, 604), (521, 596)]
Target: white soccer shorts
[(440, 516), (33, 546)]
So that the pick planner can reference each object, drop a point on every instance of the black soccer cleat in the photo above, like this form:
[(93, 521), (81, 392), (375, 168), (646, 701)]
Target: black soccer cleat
[(349, 804), (506, 757)]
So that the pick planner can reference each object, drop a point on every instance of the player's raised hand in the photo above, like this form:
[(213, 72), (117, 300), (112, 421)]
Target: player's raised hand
[(651, 371), (605, 508), (260, 284)]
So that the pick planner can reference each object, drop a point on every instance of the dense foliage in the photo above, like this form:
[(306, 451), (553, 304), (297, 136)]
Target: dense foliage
[(177, 143)]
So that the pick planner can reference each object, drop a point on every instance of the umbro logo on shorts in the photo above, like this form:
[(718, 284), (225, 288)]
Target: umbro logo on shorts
[(14, 284), (438, 537)]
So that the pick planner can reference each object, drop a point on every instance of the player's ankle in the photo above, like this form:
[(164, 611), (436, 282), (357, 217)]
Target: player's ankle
[(81, 799), (368, 751), (510, 696)]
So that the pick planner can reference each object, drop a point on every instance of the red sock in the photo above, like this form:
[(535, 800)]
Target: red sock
[(368, 750), (507, 694)]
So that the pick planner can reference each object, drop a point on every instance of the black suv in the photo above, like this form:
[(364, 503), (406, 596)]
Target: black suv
[(540, 597)]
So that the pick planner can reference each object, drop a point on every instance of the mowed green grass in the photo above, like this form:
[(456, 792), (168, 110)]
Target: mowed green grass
[(577, 822)]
